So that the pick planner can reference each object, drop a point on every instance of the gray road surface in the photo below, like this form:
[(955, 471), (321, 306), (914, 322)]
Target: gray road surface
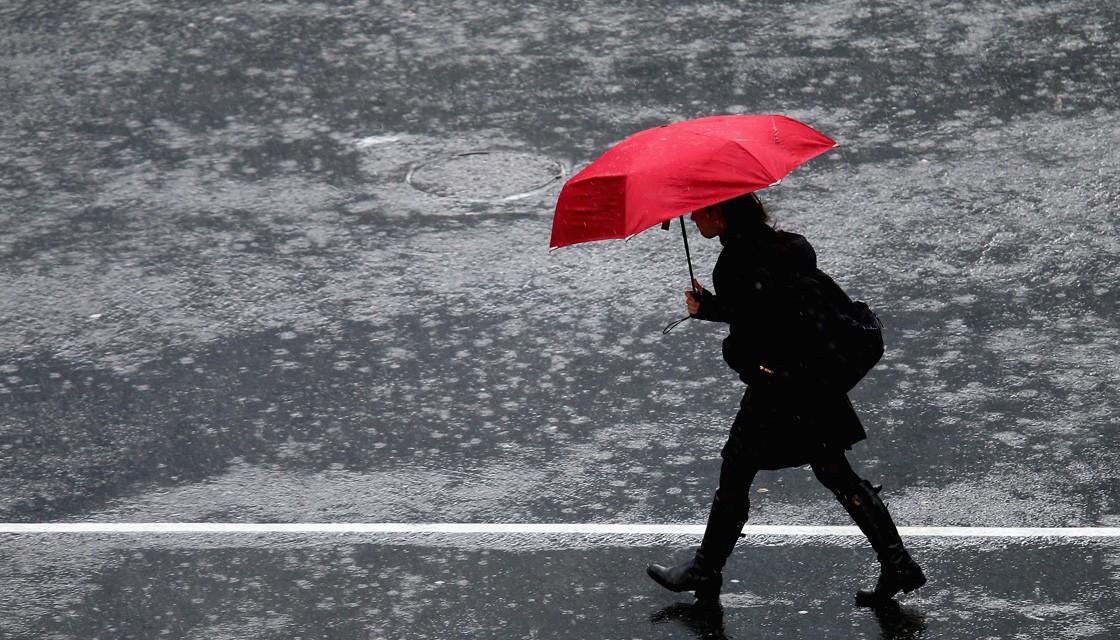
[(288, 261)]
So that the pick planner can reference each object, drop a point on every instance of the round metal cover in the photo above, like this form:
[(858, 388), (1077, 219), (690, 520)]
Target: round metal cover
[(486, 176)]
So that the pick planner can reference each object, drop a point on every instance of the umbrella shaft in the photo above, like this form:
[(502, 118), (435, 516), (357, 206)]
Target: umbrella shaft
[(687, 254)]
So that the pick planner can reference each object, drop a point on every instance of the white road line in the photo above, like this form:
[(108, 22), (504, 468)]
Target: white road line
[(534, 529)]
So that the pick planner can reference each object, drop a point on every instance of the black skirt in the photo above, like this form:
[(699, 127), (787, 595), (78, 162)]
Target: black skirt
[(772, 431)]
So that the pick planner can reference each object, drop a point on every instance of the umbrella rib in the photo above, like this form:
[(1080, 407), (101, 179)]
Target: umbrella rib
[(765, 169)]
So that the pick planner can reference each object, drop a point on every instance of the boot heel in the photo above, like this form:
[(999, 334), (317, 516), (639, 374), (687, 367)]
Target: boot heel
[(892, 580), (709, 592), (688, 576)]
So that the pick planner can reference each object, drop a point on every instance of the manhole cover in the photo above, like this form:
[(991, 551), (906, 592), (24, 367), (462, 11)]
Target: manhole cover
[(486, 176)]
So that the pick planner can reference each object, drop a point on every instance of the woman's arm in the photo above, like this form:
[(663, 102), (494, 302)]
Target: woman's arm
[(705, 305)]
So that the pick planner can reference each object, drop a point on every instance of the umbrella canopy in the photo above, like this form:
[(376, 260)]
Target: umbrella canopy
[(661, 173)]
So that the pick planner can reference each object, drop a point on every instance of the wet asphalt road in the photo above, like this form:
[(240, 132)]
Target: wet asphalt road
[(245, 588), (249, 275)]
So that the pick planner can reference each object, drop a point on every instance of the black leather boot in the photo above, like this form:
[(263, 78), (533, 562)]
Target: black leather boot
[(900, 573), (898, 570), (691, 575), (703, 574)]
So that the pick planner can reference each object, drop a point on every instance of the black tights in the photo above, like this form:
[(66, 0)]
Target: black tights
[(832, 470), (731, 504)]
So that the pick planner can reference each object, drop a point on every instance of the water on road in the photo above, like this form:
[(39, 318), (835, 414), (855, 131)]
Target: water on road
[(287, 262)]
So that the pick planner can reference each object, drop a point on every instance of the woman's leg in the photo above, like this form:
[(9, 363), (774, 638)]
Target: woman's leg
[(861, 501), (731, 503), (731, 507), (726, 518), (703, 573)]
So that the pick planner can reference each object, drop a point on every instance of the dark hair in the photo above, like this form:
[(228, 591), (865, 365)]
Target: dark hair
[(744, 211)]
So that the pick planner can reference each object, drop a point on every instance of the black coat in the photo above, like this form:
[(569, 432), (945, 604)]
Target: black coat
[(756, 291)]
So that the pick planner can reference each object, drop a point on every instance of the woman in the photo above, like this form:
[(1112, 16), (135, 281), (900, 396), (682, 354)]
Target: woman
[(781, 422)]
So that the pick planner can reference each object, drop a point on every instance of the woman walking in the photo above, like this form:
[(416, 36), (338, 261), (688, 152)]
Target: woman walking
[(769, 290)]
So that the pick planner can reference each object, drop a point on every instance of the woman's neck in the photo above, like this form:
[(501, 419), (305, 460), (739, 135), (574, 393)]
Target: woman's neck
[(753, 233)]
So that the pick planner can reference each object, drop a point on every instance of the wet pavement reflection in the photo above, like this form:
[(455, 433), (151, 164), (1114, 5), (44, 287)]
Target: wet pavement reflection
[(345, 587)]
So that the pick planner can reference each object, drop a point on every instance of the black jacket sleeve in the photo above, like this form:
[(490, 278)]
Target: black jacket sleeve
[(745, 299), (712, 308)]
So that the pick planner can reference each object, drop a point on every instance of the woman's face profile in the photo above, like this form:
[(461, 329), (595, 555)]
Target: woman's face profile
[(709, 220)]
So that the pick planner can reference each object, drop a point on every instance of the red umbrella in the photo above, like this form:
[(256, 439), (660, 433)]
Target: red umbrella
[(661, 173)]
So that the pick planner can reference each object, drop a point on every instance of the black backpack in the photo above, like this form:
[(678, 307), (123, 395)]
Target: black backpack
[(834, 341)]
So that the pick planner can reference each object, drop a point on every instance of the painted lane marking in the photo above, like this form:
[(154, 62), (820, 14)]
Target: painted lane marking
[(516, 528)]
